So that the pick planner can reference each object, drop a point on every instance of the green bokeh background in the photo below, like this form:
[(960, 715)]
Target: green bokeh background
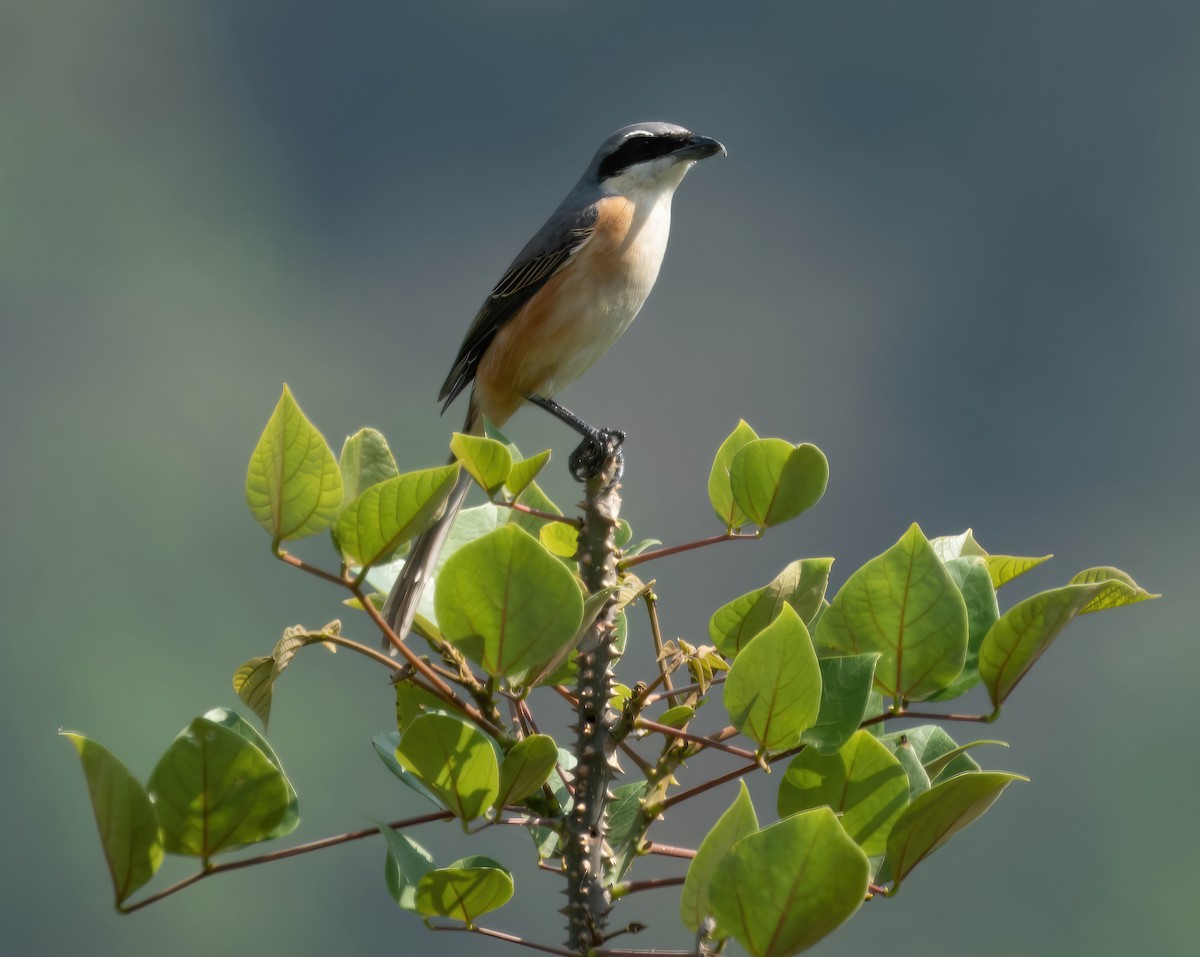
[(954, 244)]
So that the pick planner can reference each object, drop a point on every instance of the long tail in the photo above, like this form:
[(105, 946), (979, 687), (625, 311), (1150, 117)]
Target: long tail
[(401, 604)]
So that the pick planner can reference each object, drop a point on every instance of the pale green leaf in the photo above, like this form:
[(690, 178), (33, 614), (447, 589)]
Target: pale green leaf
[(125, 818), (719, 492), (905, 606), (737, 822), (773, 481), (293, 484), (454, 759), (863, 783), (782, 889), (773, 689), (508, 603)]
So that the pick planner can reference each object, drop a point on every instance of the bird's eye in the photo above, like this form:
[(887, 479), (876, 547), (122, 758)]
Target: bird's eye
[(636, 149)]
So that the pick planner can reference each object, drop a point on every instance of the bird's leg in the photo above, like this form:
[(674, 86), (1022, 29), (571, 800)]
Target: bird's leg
[(597, 447)]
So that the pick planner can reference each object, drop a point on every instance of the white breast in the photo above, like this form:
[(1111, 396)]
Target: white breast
[(613, 274)]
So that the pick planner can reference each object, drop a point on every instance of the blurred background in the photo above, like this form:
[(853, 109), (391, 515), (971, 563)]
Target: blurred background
[(953, 244)]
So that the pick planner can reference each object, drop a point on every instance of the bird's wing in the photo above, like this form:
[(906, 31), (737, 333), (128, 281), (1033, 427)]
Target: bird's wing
[(548, 252)]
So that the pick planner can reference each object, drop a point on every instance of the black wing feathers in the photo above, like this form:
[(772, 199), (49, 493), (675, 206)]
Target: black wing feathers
[(531, 270)]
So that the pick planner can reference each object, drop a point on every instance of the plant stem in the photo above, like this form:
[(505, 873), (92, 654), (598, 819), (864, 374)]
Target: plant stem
[(685, 547), (284, 854), (704, 742), (656, 632)]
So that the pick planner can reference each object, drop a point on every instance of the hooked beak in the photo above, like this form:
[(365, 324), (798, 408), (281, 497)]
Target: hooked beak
[(700, 147)]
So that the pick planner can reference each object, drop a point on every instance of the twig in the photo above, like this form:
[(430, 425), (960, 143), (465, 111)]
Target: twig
[(511, 938), (926, 716), (666, 850), (361, 649), (656, 633), (685, 689), (704, 742), (652, 884), (727, 776), (443, 690), (537, 512), (643, 765), (311, 569), (685, 547), (284, 854)]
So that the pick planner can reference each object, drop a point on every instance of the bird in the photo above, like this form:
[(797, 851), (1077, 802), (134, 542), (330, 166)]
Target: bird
[(566, 298)]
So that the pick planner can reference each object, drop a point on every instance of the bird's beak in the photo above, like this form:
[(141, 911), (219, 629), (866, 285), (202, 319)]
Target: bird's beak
[(700, 147)]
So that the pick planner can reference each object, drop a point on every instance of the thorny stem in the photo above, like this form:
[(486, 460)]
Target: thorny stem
[(629, 563), (284, 854)]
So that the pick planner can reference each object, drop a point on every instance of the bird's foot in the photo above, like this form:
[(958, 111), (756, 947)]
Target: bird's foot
[(597, 447)]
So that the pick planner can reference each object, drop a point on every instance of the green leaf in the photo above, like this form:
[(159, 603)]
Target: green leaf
[(944, 765), (407, 862), (935, 753), (455, 760), (904, 605), (524, 472), (737, 822), (469, 524), (465, 890), (1121, 590), (125, 818), (781, 889), (802, 585), (941, 812), (773, 481), (773, 689), (214, 790), (412, 701), (293, 484), (234, 722), (719, 492), (526, 768), (385, 746), (366, 460), (560, 668), (845, 691), (1025, 631), (560, 539), (974, 582), (532, 497), (910, 761), (677, 717), (254, 680), (1004, 568), (623, 812), (1001, 568), (391, 513), (508, 603), (863, 783), (487, 461)]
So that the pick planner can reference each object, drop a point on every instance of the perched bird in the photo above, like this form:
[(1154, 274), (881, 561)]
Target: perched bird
[(566, 298)]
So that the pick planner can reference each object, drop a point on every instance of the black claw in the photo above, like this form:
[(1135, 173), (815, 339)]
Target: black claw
[(597, 447)]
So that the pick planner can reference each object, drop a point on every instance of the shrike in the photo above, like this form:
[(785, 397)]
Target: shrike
[(566, 298)]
